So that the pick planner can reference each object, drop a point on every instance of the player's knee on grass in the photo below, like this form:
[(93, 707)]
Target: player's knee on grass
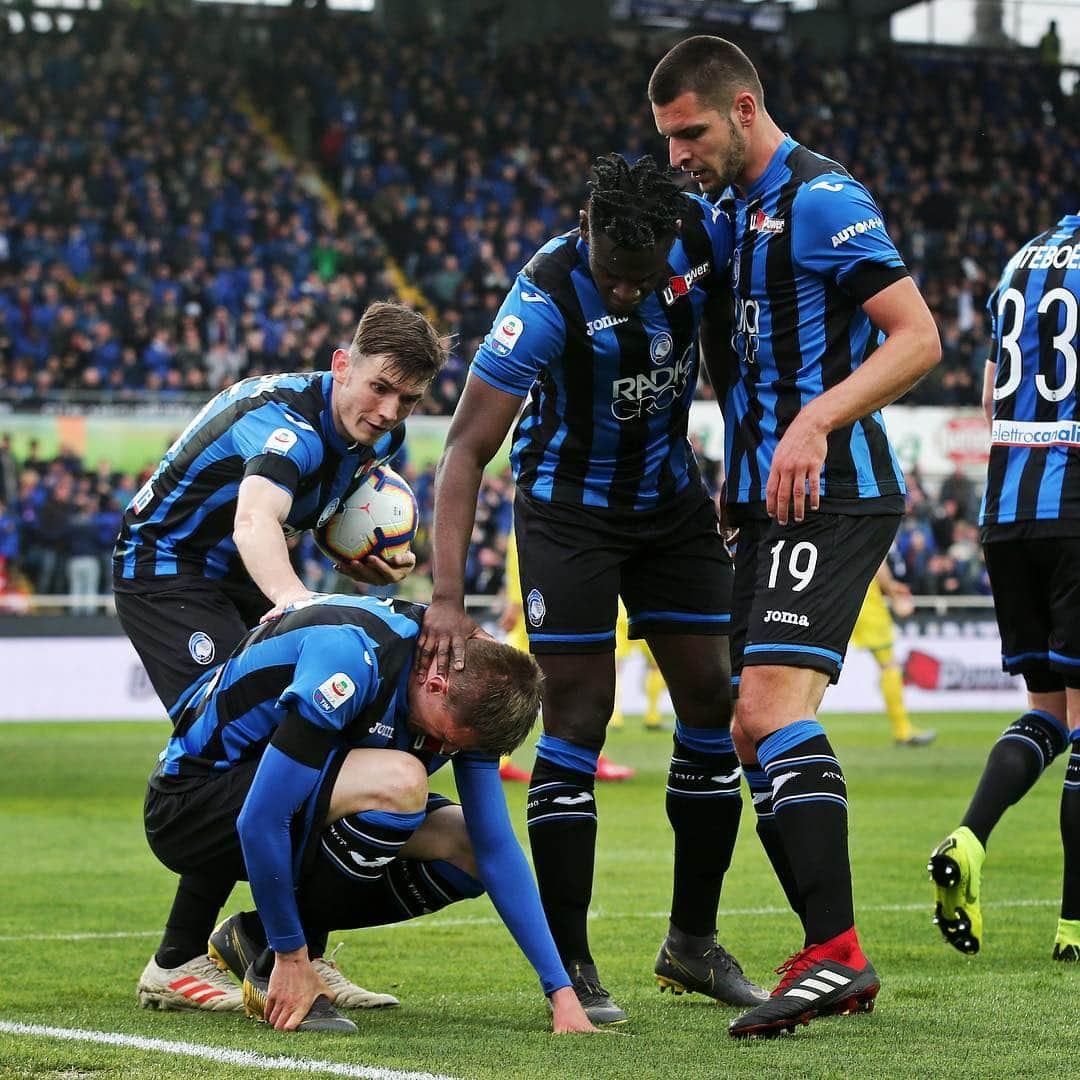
[(389, 780)]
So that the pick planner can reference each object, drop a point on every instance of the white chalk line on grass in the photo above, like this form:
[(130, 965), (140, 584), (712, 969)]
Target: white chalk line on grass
[(217, 1053), (602, 916)]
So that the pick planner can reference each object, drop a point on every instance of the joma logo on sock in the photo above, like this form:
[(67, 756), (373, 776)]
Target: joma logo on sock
[(786, 617)]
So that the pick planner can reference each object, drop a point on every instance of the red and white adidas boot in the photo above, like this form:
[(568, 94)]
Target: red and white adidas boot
[(198, 984), (834, 979)]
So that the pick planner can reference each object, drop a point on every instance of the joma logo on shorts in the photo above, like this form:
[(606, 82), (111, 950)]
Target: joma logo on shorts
[(786, 617)]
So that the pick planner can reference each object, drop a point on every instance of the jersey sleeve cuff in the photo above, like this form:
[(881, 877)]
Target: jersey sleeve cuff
[(552, 981), (289, 943), (279, 470), (867, 278), (499, 384)]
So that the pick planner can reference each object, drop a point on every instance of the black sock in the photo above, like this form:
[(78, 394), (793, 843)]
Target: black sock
[(704, 803), (191, 921), (1070, 833), (316, 942), (253, 927), (1015, 762), (409, 888), (264, 963), (810, 804), (769, 835), (561, 815)]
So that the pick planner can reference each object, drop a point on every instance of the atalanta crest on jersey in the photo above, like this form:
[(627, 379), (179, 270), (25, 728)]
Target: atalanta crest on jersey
[(535, 606), (201, 647), (327, 513), (507, 334), (660, 347)]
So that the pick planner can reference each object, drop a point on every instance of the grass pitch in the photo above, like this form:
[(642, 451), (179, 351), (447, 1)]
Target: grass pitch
[(83, 901)]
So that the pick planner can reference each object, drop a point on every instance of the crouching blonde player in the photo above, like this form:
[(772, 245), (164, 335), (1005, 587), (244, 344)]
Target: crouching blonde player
[(302, 765)]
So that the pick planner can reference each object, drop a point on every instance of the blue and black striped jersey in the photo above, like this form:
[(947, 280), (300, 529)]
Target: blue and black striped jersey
[(277, 426), (810, 247), (608, 395), (341, 662), (1033, 476)]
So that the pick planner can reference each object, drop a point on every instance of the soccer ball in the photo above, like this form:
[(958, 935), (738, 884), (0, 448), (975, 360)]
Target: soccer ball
[(378, 518)]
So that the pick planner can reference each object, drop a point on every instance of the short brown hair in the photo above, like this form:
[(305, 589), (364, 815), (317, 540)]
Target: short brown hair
[(712, 68), (497, 694), (412, 343)]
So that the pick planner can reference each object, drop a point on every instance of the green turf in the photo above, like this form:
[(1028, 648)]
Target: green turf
[(73, 860)]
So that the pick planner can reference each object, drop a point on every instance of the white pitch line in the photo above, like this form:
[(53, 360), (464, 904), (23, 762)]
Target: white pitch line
[(216, 1053), (602, 916)]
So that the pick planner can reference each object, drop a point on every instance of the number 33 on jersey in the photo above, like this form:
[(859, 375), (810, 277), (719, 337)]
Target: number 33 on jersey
[(1034, 472)]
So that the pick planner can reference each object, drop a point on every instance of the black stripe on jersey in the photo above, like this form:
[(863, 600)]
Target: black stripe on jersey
[(308, 403), (274, 467), (254, 688), (780, 281), (303, 741), (551, 271), (341, 615), (633, 435), (750, 433), (1006, 408), (1070, 481), (839, 460), (868, 278), (210, 480), (1027, 498), (698, 248)]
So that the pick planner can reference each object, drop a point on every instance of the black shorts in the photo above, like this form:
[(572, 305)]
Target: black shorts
[(669, 565), (1036, 587), (190, 822), (185, 627), (799, 587)]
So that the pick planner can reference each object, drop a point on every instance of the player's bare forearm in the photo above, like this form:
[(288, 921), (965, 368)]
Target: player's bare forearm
[(893, 369), (457, 485), (265, 555), (912, 347)]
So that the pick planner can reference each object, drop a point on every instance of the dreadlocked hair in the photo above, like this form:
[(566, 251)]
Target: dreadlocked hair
[(634, 206)]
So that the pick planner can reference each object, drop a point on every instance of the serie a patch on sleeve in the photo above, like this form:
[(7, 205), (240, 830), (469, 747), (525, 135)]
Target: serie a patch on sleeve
[(281, 441), (507, 334), (333, 693)]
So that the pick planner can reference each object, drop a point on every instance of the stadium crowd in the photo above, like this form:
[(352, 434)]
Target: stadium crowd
[(59, 518), (157, 239)]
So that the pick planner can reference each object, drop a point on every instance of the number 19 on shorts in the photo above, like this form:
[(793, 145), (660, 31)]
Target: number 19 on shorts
[(801, 563)]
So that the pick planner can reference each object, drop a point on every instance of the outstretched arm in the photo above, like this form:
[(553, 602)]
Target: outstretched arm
[(481, 421), (261, 509), (510, 884)]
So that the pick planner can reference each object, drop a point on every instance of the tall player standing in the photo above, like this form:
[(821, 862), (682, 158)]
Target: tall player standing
[(599, 335), (811, 479), (1030, 520)]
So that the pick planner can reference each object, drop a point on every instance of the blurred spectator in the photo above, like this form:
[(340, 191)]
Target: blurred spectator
[(153, 241)]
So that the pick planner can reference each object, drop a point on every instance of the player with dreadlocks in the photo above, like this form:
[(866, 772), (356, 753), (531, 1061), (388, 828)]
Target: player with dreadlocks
[(598, 335)]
